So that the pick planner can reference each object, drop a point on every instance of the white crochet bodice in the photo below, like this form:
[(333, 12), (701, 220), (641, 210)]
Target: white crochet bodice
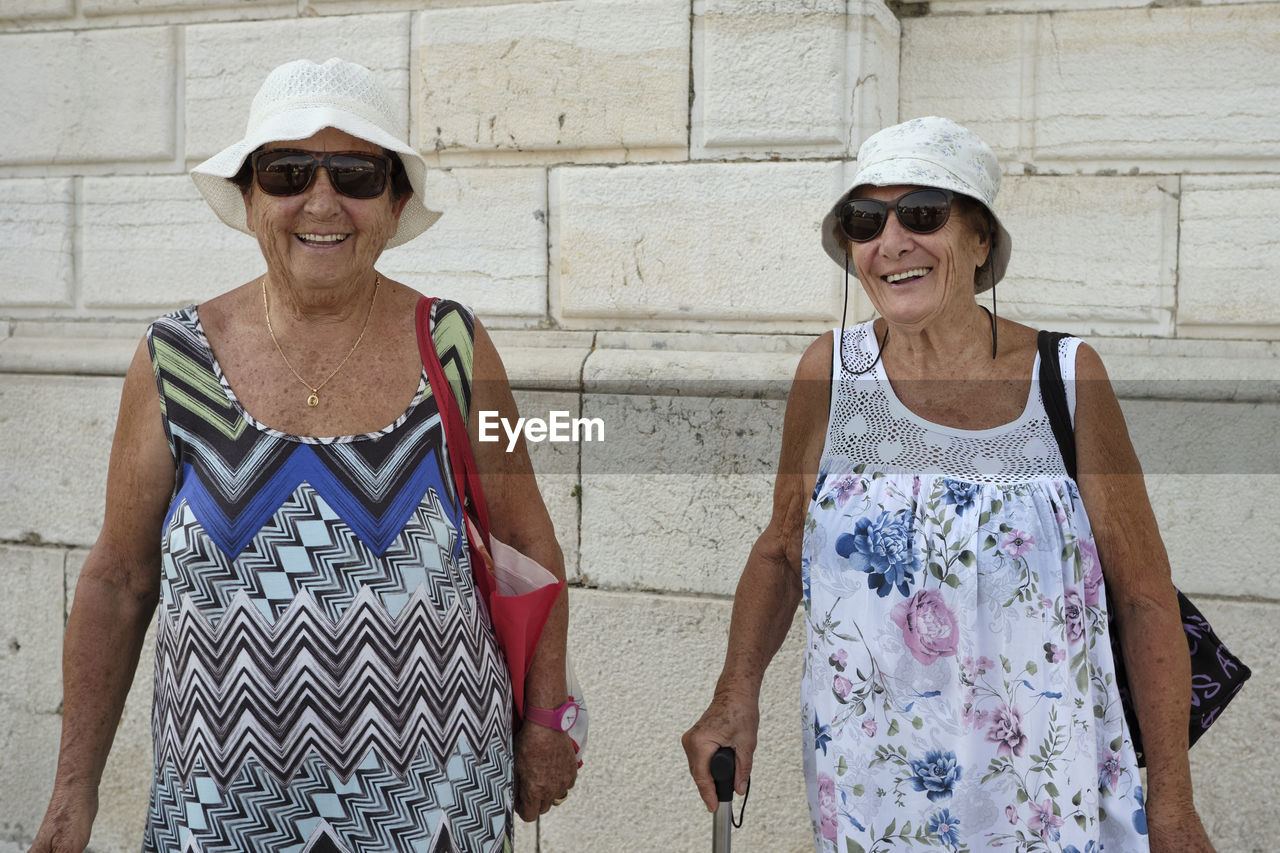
[(870, 425)]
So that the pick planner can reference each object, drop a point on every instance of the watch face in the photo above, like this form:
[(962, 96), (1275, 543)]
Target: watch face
[(568, 718)]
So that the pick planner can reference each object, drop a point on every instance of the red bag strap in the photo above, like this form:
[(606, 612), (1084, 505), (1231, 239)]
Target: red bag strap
[(466, 476)]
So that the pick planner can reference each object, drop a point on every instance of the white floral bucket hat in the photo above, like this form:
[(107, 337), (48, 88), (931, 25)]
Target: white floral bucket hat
[(928, 152), (300, 99)]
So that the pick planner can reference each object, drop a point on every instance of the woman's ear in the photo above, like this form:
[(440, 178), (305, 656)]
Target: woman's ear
[(246, 195)]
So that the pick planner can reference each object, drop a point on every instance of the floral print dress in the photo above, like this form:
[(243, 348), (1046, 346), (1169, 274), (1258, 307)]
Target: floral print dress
[(959, 690)]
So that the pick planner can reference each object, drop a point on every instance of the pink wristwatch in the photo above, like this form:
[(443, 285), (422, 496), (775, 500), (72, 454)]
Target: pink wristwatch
[(560, 720)]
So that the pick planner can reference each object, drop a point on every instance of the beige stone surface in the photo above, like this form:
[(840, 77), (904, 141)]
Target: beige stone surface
[(553, 79), (980, 85), (556, 465), (1234, 766), (769, 78), (679, 492), (55, 436), (152, 243), (648, 665), (732, 246), (29, 746), (31, 603), (1159, 89), (1223, 276), (488, 250), (103, 8), (24, 10), (36, 221), (1071, 268), (1200, 88), (88, 75), (227, 62)]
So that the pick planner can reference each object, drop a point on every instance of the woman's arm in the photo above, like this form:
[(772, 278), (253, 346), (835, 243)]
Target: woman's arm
[(114, 601), (770, 587), (1142, 600), (546, 765)]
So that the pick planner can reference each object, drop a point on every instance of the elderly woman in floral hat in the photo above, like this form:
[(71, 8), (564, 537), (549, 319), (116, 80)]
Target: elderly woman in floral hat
[(959, 687), (325, 677)]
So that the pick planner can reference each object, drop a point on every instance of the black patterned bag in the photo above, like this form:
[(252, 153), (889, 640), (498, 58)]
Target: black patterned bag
[(1216, 674)]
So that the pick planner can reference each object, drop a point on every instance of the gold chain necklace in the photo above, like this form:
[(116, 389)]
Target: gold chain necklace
[(313, 399)]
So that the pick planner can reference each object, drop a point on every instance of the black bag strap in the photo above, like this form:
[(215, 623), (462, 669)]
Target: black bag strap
[(1054, 394)]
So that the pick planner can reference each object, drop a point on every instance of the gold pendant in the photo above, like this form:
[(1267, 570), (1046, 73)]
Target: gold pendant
[(313, 400)]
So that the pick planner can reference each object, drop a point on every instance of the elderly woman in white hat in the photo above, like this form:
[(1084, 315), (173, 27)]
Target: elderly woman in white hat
[(959, 689), (279, 486)]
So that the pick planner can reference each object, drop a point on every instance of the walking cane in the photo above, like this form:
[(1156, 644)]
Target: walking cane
[(722, 770)]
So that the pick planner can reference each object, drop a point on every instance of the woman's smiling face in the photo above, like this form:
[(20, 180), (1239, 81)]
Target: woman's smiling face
[(319, 237), (914, 279)]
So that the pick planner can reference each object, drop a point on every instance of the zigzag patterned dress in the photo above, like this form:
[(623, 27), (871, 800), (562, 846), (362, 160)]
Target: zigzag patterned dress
[(325, 678)]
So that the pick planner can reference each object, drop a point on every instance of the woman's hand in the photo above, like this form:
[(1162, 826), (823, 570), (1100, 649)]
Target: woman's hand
[(545, 769), (1176, 827), (729, 721), (67, 822)]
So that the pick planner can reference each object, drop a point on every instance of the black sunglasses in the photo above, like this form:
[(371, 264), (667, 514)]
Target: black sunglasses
[(357, 174), (922, 211)]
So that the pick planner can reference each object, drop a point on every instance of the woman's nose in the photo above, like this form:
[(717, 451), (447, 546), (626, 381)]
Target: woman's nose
[(895, 240), (321, 194)]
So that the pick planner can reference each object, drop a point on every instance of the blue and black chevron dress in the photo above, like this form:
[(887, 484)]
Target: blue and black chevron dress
[(325, 679)]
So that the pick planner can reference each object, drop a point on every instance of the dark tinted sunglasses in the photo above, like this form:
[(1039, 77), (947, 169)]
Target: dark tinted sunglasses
[(357, 174), (921, 211)]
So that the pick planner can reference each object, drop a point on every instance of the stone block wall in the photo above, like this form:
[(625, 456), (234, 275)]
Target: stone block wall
[(632, 191)]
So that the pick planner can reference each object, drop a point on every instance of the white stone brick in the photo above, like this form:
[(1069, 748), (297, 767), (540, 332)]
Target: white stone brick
[(29, 744), (648, 665), (23, 10), (31, 597), (677, 493), (125, 788), (226, 64), (97, 8), (546, 80), (90, 96), (980, 82), (152, 241), (36, 221), (1201, 85), (55, 436), (1093, 255), (781, 79), (1154, 89), (1235, 764), (556, 466), (732, 246), (489, 250), (1227, 259)]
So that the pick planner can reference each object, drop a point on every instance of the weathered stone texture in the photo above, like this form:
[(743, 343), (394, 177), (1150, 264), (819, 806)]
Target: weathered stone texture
[(113, 91), (1070, 88), (1112, 272), (31, 601), (1227, 263), (682, 247), (671, 649), (153, 242), (36, 220), (23, 10), (1237, 763), (769, 78), (55, 435), (675, 497), (488, 250), (552, 77), (226, 64), (980, 84), (790, 78), (96, 8)]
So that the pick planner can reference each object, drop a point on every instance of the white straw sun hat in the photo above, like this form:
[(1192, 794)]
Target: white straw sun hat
[(300, 99), (928, 152)]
